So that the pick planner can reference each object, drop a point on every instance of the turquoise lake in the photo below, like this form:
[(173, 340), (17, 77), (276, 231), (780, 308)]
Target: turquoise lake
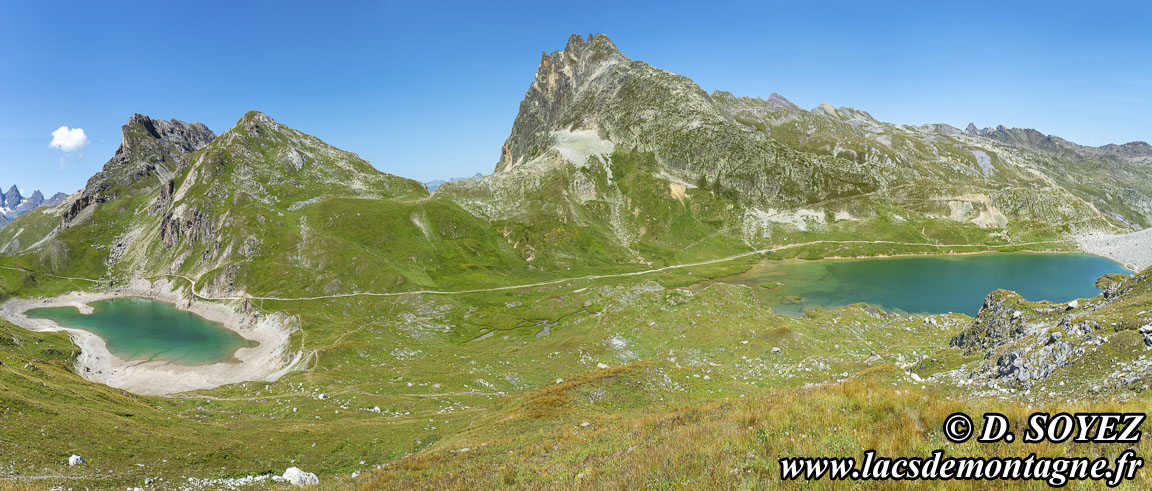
[(144, 329), (924, 284)]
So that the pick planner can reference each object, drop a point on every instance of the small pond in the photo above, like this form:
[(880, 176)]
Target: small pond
[(145, 329)]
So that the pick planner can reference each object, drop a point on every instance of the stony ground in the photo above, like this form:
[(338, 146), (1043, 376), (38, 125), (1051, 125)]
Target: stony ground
[(1134, 250)]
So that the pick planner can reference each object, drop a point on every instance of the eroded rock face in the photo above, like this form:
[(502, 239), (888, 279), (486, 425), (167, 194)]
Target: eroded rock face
[(149, 153), (194, 224), (561, 77)]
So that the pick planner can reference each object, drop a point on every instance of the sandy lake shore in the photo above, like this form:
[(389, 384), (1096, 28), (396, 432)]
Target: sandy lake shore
[(1133, 250), (268, 360)]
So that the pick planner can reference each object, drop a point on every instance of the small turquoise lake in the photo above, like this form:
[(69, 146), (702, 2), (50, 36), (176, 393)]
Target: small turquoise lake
[(144, 329), (924, 284)]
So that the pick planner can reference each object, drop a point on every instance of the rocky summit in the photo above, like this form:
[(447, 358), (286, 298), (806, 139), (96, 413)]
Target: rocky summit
[(149, 151)]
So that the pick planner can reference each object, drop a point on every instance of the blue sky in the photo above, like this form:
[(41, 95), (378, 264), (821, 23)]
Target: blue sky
[(430, 89)]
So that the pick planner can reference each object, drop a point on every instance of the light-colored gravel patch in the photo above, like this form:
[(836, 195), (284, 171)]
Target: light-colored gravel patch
[(1133, 250)]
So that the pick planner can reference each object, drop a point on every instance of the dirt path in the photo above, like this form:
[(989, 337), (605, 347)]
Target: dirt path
[(604, 276), (26, 270)]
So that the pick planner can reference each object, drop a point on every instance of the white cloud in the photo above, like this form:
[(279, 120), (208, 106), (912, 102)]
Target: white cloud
[(68, 139)]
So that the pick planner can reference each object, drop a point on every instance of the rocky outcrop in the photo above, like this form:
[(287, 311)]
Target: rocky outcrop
[(1017, 350), (998, 322), (195, 225), (149, 153), (1022, 344), (1026, 367)]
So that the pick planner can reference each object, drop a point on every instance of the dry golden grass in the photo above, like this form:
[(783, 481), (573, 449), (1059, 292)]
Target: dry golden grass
[(723, 444)]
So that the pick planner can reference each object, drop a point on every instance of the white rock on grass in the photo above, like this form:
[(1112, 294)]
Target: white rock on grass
[(300, 478), (1073, 304), (76, 460), (601, 365), (1147, 332), (775, 349)]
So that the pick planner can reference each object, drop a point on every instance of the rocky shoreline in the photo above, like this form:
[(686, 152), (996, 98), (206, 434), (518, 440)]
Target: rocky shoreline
[(268, 360), (1133, 250)]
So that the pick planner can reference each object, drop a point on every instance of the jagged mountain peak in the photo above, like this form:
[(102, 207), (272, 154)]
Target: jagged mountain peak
[(142, 129), (579, 57), (150, 152), (1035, 140), (596, 44), (13, 204), (559, 78), (583, 105)]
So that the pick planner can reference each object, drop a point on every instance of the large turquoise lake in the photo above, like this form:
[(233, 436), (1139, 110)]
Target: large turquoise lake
[(144, 329), (924, 284)]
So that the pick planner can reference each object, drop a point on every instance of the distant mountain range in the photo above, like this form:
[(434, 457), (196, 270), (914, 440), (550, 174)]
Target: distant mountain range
[(13, 204), (432, 185)]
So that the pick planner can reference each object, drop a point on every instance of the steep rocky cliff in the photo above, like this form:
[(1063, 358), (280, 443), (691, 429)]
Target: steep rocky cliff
[(149, 153)]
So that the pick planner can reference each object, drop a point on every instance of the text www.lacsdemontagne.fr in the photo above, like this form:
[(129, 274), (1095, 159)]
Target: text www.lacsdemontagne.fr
[(1054, 471)]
